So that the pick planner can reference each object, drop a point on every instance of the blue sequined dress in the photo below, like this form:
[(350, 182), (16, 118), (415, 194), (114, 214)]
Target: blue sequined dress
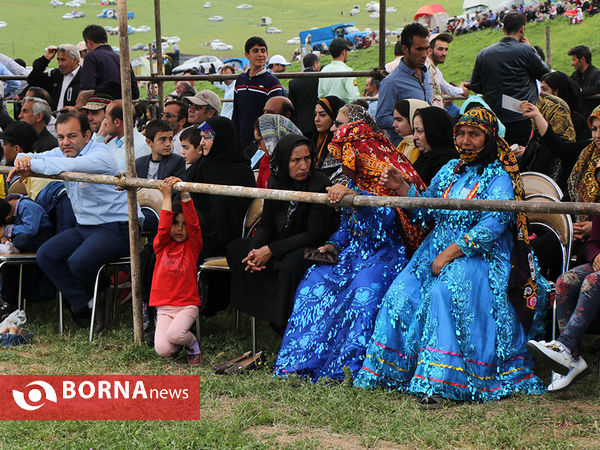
[(456, 334), (335, 306)]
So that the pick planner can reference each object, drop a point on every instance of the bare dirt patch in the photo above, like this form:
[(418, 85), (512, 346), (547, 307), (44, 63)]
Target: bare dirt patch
[(285, 435)]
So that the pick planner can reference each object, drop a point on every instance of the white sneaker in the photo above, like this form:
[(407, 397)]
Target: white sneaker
[(553, 354), (561, 382)]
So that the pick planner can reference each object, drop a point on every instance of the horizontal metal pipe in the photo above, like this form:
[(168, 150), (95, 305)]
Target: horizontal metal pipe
[(122, 182)]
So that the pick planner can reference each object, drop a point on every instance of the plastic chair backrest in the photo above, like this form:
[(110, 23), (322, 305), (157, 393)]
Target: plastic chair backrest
[(538, 183), (252, 216), (560, 223), (151, 198)]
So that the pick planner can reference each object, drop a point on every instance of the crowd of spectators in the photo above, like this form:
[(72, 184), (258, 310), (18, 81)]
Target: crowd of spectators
[(427, 284), (548, 10)]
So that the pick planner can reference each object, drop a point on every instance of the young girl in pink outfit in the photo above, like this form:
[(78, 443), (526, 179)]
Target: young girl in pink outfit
[(174, 288)]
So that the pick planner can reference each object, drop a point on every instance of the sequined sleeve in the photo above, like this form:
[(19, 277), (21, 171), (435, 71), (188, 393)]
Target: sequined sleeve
[(485, 233), (422, 215), (342, 237)]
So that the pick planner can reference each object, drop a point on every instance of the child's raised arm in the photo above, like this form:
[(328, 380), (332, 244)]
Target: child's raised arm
[(163, 235), (166, 187)]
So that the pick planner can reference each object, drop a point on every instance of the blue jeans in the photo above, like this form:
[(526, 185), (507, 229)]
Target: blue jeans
[(72, 258)]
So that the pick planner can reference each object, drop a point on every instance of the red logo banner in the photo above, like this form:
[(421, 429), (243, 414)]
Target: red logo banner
[(100, 397)]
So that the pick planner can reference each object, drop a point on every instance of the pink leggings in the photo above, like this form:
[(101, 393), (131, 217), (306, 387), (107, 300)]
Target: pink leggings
[(173, 325)]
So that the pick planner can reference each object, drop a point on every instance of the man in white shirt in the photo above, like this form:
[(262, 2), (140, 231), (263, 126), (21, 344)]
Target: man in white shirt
[(438, 51), (116, 129), (397, 57), (63, 83), (228, 87)]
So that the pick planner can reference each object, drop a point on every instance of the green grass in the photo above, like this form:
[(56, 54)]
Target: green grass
[(254, 410), (34, 24)]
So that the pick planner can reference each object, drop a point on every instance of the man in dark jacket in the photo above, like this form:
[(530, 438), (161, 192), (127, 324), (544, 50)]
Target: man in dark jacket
[(63, 83), (509, 67), (304, 97), (37, 112), (162, 162), (101, 64), (586, 76)]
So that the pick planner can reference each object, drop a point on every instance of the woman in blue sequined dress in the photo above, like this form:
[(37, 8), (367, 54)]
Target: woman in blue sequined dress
[(335, 306), (455, 322)]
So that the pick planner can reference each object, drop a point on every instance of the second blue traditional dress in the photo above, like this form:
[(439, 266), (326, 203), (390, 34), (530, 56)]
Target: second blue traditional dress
[(335, 306), (457, 335)]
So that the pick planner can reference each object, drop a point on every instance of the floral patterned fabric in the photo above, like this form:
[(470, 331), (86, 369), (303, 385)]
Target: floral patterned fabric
[(582, 184), (335, 306), (364, 154)]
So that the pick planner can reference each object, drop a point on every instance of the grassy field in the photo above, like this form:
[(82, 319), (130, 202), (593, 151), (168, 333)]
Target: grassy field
[(253, 410), (34, 24), (187, 19)]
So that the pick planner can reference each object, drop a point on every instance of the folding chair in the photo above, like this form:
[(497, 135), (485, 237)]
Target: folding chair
[(28, 258), (561, 226), (219, 263), (124, 261), (538, 183)]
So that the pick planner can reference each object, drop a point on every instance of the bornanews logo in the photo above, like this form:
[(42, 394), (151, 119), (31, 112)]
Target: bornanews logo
[(100, 397)]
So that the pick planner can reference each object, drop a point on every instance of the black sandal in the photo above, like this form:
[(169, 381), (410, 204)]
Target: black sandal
[(434, 401)]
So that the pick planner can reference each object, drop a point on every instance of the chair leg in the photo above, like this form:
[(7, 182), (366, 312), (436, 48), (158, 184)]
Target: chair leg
[(253, 326), (554, 315), (20, 298), (237, 320), (60, 313), (94, 302)]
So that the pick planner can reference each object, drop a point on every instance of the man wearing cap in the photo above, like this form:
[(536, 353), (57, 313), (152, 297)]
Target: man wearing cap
[(63, 83), (116, 130), (202, 106), (252, 89), (344, 88), (95, 110), (17, 137), (277, 64), (82, 49)]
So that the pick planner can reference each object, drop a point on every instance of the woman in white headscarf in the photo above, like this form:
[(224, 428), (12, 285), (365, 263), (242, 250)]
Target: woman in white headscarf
[(404, 113), (269, 129)]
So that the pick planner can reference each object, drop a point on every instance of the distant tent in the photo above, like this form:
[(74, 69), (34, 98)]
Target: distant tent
[(432, 16)]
